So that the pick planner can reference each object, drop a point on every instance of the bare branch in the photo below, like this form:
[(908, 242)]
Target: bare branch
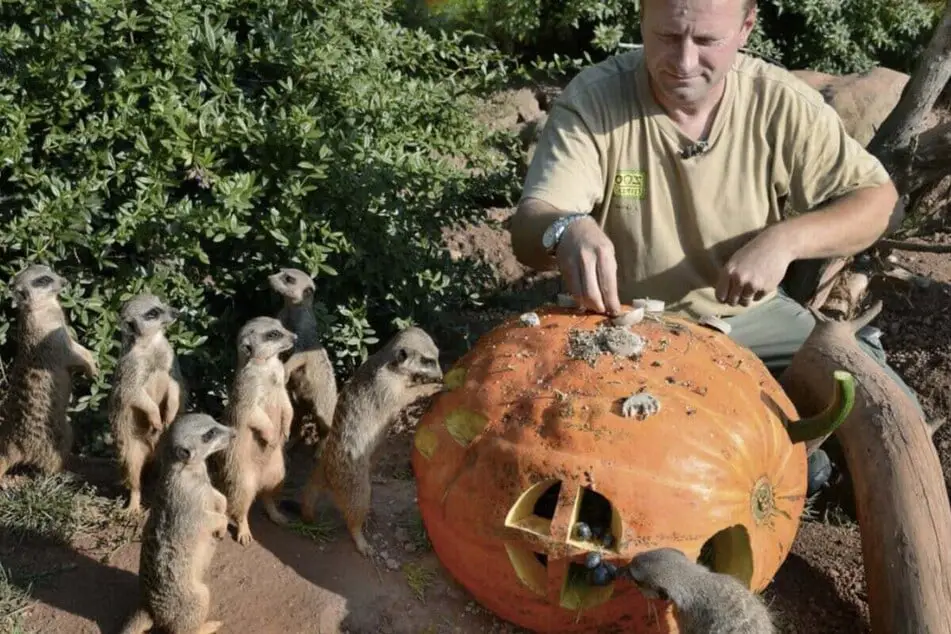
[(893, 143), (919, 247)]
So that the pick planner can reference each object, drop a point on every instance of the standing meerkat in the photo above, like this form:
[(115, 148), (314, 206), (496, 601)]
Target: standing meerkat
[(405, 369), (34, 429), (705, 602), (311, 381), (179, 538), (148, 388), (259, 410)]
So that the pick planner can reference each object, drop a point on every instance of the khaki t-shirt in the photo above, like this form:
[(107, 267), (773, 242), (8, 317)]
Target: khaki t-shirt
[(609, 149)]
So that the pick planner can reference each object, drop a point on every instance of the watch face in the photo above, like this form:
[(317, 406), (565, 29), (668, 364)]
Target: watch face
[(550, 237)]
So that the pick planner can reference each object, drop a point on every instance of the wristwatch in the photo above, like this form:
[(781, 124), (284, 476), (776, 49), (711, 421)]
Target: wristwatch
[(555, 230)]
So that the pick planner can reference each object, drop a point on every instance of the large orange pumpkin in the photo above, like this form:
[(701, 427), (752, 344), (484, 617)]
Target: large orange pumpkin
[(531, 437)]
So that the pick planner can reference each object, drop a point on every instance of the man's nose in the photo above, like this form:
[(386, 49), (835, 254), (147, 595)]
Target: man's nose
[(686, 56)]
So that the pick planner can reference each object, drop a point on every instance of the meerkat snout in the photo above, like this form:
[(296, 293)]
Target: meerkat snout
[(293, 285), (417, 356), (194, 437), (264, 337), (34, 284)]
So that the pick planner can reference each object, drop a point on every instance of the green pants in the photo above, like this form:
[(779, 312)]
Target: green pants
[(777, 328)]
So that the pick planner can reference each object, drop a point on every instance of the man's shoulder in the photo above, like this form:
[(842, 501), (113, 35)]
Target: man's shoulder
[(605, 77), (770, 81)]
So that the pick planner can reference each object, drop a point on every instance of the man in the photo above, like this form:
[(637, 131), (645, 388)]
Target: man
[(665, 172)]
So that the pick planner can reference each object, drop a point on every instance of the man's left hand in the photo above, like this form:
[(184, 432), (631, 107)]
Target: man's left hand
[(755, 269)]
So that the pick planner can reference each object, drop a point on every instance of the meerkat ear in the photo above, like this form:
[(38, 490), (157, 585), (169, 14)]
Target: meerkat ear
[(402, 355), (129, 326), (662, 594), (246, 348), (183, 453)]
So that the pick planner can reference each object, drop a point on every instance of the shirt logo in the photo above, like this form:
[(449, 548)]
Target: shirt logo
[(630, 184)]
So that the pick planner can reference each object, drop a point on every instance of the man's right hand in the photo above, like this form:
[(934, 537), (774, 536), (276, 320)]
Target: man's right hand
[(586, 260)]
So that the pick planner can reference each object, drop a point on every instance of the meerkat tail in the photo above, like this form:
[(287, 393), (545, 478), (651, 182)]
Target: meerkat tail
[(139, 623)]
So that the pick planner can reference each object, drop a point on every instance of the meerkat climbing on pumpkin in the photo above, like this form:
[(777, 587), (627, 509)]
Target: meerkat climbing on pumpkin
[(311, 381), (34, 429), (404, 370), (148, 388), (705, 602), (260, 411)]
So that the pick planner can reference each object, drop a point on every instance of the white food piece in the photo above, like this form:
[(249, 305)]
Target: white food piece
[(716, 323), (629, 318), (530, 319), (649, 305), (640, 406)]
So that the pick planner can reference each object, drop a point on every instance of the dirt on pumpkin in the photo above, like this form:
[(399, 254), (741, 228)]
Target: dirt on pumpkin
[(290, 581)]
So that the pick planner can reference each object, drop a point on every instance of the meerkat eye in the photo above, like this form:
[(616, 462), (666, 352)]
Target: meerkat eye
[(273, 335), (208, 435), (153, 313), (289, 280), (42, 281)]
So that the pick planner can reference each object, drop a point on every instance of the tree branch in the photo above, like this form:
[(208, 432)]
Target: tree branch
[(894, 142)]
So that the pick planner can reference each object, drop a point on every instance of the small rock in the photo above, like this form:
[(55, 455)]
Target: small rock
[(392, 564)]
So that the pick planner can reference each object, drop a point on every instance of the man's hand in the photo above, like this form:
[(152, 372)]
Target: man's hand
[(586, 260), (756, 268)]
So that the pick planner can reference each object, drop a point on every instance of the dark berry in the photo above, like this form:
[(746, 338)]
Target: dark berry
[(600, 576), (608, 540), (612, 569), (597, 531), (593, 560), (582, 530)]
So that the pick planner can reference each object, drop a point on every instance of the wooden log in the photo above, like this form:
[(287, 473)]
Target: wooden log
[(902, 505)]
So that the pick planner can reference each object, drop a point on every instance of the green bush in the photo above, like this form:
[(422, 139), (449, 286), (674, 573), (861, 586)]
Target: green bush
[(833, 36), (192, 148)]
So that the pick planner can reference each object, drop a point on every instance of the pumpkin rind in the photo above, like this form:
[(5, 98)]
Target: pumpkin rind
[(519, 412)]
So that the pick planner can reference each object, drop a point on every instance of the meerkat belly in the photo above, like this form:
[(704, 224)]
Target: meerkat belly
[(39, 403)]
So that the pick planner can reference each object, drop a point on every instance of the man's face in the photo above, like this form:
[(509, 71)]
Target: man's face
[(689, 45)]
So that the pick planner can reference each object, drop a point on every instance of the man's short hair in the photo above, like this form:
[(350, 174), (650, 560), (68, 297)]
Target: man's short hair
[(747, 6)]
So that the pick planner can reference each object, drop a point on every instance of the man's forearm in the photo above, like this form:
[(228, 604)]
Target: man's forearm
[(527, 226), (843, 227)]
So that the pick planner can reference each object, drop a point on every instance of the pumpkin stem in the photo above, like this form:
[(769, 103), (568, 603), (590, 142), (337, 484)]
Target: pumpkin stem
[(814, 430)]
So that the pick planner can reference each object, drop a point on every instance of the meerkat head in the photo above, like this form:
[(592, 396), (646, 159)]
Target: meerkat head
[(661, 573), (415, 355), (293, 285), (191, 438), (144, 315), (262, 338), (36, 285)]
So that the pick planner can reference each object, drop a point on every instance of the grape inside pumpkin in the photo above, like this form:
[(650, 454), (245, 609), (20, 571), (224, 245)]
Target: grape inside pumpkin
[(537, 430)]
